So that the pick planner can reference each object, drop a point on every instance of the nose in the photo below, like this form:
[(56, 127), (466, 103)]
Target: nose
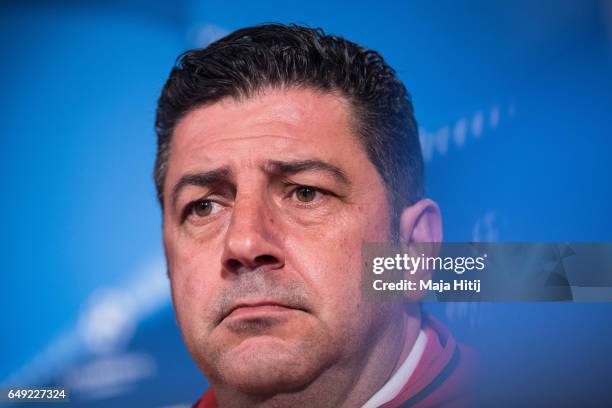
[(252, 239)]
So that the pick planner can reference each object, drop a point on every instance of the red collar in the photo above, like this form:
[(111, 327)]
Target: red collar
[(441, 376)]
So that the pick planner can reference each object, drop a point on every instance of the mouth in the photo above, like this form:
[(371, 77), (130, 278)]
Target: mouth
[(259, 310)]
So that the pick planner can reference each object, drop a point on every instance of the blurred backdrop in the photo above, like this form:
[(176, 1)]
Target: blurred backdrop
[(513, 99)]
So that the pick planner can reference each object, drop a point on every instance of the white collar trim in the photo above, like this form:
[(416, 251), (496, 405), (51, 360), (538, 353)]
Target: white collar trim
[(394, 385)]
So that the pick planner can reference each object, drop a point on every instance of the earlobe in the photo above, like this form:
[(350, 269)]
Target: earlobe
[(421, 222)]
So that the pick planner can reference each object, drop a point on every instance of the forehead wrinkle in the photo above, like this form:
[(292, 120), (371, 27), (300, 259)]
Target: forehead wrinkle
[(234, 138), (212, 121), (232, 153), (194, 138), (269, 109)]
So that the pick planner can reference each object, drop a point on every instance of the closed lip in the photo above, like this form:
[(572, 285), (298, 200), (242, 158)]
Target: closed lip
[(265, 305)]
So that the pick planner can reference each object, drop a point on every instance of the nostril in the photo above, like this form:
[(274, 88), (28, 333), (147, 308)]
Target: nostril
[(265, 260), (233, 264), (236, 265)]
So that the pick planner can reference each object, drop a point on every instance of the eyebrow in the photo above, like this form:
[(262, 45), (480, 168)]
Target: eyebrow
[(277, 167), (202, 179)]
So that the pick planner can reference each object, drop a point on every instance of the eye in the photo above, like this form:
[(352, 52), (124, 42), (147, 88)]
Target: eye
[(306, 194), (202, 208)]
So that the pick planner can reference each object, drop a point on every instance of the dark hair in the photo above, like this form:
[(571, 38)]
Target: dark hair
[(276, 55)]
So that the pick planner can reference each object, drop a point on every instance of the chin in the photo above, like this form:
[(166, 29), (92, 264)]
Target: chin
[(267, 369)]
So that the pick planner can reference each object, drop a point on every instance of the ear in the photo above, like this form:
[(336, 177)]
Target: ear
[(421, 222), (420, 225)]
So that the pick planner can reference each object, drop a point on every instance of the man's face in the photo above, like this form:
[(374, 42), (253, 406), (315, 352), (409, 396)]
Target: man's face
[(268, 201)]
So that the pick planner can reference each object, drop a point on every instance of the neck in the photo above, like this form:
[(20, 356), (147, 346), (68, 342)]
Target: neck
[(347, 384)]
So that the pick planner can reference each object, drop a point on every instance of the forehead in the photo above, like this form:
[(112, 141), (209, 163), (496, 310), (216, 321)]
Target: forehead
[(294, 122)]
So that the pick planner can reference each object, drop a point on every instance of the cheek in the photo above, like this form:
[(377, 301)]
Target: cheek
[(192, 277), (186, 287), (332, 263)]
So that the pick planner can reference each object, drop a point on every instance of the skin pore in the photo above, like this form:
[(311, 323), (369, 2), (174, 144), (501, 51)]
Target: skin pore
[(267, 202)]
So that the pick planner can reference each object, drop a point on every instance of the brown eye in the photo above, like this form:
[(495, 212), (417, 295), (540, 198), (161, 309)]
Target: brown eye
[(202, 208), (305, 194)]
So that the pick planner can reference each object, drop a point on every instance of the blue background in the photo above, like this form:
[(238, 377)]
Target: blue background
[(513, 100)]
